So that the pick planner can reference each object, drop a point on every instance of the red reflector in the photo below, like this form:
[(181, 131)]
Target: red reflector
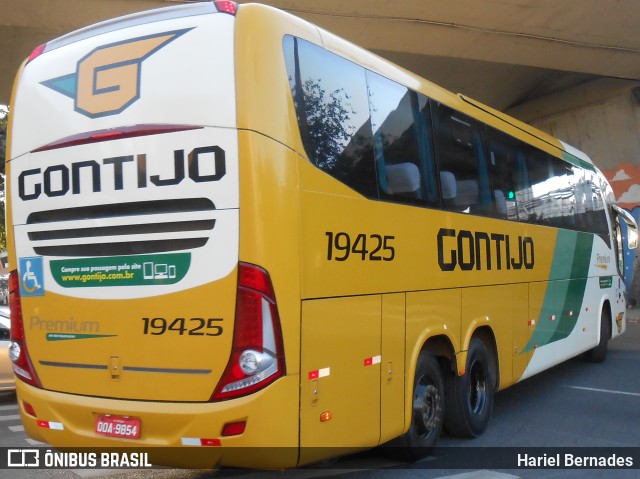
[(210, 442), (28, 408), (234, 428), (36, 52), (225, 6)]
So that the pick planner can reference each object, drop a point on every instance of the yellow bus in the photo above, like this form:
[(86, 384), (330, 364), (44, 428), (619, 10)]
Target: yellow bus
[(230, 229)]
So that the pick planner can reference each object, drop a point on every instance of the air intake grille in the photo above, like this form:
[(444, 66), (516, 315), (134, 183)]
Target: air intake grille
[(122, 229)]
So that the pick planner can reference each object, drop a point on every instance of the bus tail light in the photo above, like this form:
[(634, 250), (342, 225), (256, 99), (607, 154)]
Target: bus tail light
[(37, 51), (257, 355), (18, 352), (226, 6)]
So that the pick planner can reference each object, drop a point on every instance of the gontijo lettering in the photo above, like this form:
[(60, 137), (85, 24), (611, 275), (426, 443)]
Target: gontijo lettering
[(59, 180), (477, 250)]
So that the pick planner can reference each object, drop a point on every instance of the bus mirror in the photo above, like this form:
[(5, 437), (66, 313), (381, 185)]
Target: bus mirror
[(632, 226)]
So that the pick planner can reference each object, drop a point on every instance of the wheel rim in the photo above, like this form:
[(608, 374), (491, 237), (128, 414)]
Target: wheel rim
[(478, 388), (426, 404)]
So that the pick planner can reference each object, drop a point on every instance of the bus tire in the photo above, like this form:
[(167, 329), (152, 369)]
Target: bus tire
[(427, 415), (599, 353), (470, 396)]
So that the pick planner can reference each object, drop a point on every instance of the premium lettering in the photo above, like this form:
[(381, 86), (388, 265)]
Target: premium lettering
[(478, 250)]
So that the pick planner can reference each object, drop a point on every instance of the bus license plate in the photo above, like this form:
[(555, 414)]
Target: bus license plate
[(118, 426)]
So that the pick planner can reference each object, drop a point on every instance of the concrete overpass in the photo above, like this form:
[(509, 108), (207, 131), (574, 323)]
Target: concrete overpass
[(571, 68)]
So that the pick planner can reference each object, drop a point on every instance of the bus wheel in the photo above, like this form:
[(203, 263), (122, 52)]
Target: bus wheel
[(470, 397), (427, 415), (599, 353)]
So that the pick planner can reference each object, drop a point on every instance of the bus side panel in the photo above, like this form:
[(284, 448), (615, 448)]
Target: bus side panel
[(340, 376), (502, 308), (392, 377), (563, 319), (269, 222)]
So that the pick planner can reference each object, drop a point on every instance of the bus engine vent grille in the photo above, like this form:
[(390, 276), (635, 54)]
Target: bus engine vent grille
[(122, 229)]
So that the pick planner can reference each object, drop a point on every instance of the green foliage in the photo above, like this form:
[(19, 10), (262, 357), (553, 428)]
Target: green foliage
[(327, 115)]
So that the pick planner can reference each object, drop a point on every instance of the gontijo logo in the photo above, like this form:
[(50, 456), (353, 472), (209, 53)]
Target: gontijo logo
[(107, 80)]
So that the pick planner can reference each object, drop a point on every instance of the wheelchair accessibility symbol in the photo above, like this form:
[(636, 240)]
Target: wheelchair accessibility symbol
[(31, 276)]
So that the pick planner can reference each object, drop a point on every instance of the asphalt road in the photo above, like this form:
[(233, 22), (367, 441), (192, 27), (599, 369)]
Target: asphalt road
[(575, 405)]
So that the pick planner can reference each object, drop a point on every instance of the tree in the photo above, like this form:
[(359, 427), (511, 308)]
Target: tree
[(327, 118)]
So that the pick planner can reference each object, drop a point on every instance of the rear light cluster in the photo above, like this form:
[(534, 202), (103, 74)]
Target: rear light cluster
[(257, 356), (18, 352), (225, 6), (37, 51)]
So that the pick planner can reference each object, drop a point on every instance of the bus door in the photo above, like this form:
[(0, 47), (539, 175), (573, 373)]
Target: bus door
[(621, 216)]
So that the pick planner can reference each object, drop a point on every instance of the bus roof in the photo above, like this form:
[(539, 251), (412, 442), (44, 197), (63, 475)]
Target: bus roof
[(132, 20)]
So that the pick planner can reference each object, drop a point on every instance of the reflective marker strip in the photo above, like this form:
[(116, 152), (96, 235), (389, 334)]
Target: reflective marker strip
[(51, 425), (197, 441), (532, 322), (372, 360), (319, 373)]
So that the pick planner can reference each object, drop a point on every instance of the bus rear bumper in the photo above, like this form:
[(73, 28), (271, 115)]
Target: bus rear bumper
[(177, 434)]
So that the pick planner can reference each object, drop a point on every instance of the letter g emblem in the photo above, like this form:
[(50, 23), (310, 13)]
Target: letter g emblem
[(107, 79)]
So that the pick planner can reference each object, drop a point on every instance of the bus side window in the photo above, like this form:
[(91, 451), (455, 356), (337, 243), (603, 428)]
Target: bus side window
[(332, 109), (403, 151), (553, 185), (595, 208), (460, 150), (540, 172), (618, 244), (581, 191), (563, 193), (506, 181)]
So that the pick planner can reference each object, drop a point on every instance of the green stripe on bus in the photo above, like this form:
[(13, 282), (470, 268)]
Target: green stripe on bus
[(574, 160), (575, 292), (563, 297)]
